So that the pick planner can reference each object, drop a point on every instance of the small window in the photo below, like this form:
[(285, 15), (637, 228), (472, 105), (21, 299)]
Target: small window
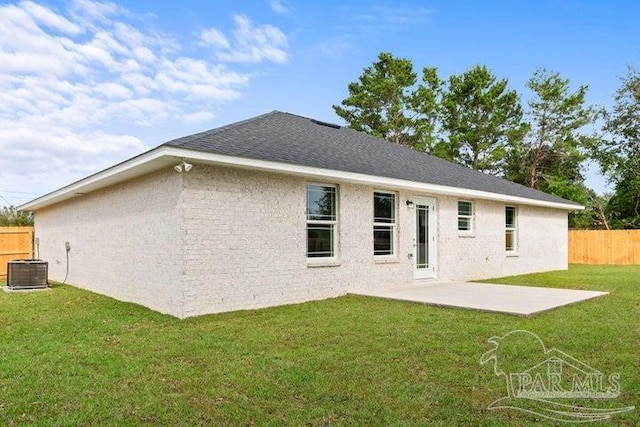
[(384, 223), (511, 228), (321, 221), (465, 217)]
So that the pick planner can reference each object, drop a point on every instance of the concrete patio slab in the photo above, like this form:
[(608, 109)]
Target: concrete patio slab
[(518, 300)]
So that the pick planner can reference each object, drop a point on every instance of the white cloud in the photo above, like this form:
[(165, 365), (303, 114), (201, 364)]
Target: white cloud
[(95, 10), (356, 23), (214, 38), (198, 116), (338, 46), (79, 86), (50, 19), (249, 43), (114, 90), (391, 17), (278, 7)]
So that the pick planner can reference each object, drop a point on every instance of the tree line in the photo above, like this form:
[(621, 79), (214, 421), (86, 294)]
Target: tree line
[(10, 216), (476, 120)]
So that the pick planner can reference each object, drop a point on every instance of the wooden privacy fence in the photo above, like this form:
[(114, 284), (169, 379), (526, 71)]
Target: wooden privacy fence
[(15, 243), (604, 246)]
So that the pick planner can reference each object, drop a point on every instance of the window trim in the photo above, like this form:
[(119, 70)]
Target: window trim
[(513, 230), (393, 226), (329, 260), (472, 219)]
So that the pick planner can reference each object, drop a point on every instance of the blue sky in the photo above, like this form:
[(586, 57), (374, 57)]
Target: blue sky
[(86, 84)]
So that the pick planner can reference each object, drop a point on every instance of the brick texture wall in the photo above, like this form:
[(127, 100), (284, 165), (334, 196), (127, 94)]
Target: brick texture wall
[(245, 237), (245, 242), (218, 239), (126, 241), (541, 238)]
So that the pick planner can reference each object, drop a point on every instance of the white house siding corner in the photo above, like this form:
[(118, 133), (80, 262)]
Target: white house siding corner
[(125, 241)]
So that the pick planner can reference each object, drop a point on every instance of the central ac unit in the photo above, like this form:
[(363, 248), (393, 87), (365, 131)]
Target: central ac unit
[(27, 274)]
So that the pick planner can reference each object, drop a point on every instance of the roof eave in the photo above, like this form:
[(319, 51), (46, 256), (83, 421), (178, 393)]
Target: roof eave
[(359, 178), (165, 156), (129, 169)]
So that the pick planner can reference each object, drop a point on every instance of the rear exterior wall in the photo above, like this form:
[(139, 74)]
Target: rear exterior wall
[(245, 241), (219, 239)]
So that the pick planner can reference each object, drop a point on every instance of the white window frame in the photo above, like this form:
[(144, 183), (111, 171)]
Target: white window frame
[(511, 229), (391, 225), (333, 223), (472, 219)]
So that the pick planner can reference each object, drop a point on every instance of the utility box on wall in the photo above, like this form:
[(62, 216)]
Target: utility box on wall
[(27, 274)]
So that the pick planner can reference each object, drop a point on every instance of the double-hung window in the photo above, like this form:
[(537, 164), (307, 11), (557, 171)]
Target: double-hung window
[(465, 217), (322, 221), (384, 223), (511, 229)]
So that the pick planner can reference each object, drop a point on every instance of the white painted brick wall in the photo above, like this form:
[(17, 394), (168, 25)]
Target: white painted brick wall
[(542, 241), (245, 242), (125, 241), (218, 239)]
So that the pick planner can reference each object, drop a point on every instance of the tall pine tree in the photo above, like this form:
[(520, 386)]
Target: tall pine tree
[(481, 119), (619, 156)]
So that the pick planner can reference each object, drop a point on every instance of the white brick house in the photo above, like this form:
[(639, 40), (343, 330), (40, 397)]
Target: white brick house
[(281, 209)]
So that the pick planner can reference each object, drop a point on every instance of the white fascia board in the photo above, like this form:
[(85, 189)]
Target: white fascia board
[(165, 156), (331, 175), (134, 167)]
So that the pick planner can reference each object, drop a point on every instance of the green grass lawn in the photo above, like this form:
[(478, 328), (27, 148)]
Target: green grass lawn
[(70, 357)]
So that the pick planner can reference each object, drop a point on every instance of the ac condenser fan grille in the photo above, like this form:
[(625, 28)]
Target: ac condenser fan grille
[(27, 274)]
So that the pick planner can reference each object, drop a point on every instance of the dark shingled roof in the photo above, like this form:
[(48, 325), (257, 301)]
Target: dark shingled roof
[(288, 138)]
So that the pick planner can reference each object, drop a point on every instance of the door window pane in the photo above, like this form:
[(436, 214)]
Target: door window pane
[(422, 231), (510, 214)]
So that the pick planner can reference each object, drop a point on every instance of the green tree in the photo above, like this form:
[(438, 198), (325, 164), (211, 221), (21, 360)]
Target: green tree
[(619, 155), (388, 103), (550, 157), (594, 215), (481, 119), (10, 216), (597, 205), (379, 103), (426, 102), (624, 206)]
